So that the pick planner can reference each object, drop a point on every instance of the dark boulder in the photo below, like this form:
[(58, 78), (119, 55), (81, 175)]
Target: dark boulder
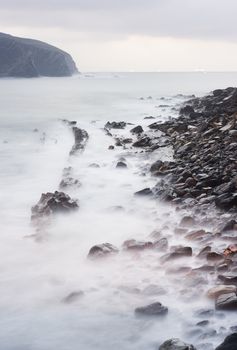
[(137, 130), (51, 203), (80, 139), (143, 142), (230, 343), (226, 302), (121, 165), (102, 250), (187, 110), (155, 309)]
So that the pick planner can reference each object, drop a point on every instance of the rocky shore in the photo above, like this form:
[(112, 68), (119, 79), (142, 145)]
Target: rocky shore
[(200, 183)]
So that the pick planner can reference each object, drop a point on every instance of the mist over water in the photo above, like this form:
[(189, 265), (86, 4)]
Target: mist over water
[(35, 276)]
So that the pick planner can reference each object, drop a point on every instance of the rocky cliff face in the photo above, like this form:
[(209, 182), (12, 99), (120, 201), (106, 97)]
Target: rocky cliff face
[(32, 58)]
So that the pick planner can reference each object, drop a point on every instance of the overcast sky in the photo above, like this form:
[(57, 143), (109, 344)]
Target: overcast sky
[(131, 35)]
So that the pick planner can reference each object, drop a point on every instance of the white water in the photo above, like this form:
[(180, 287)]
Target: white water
[(36, 276)]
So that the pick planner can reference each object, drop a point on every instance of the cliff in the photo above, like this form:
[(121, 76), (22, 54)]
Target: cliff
[(29, 58)]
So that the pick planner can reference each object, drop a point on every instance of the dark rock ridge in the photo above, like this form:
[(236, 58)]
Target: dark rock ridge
[(81, 137), (28, 58), (230, 343)]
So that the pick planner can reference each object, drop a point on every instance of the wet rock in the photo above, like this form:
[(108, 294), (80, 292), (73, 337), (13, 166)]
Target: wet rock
[(72, 297), (102, 250), (213, 256), (228, 280), (51, 203), (121, 165), (143, 142), (145, 192), (137, 130), (203, 323), (230, 250), (94, 165), (203, 252), (69, 182), (187, 110), (133, 244), (111, 147), (176, 344), (230, 343), (226, 302), (150, 117), (155, 309), (187, 221), (196, 235), (115, 125), (80, 139), (216, 291), (161, 244), (229, 226), (177, 252)]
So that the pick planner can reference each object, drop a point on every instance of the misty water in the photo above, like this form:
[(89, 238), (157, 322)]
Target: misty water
[(37, 274)]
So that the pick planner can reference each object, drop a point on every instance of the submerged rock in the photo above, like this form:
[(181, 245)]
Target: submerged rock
[(102, 250), (51, 203), (176, 344), (133, 244), (155, 309), (72, 297), (28, 58)]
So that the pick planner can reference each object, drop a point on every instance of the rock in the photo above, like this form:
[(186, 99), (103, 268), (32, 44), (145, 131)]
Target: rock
[(143, 142), (72, 297), (177, 252), (80, 139), (176, 344), (187, 110), (216, 291), (230, 226), (161, 244), (69, 182), (137, 130), (187, 221), (28, 58), (102, 250), (121, 165), (229, 280), (155, 309), (145, 192), (51, 203), (227, 301), (133, 244), (94, 165), (150, 117), (230, 343), (111, 147), (213, 256), (115, 125), (230, 250)]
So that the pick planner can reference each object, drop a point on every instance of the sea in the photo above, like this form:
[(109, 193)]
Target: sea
[(37, 272)]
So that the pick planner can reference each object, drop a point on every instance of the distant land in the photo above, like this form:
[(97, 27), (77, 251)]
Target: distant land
[(29, 58)]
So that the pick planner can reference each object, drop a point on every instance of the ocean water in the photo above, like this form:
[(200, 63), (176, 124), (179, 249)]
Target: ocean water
[(37, 274)]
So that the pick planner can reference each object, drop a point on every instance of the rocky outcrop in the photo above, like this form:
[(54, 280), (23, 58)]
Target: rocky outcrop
[(51, 203), (81, 137), (27, 58)]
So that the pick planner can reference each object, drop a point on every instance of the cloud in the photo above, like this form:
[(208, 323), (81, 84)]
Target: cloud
[(198, 19)]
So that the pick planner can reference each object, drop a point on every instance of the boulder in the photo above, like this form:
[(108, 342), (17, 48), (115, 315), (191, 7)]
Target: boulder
[(221, 289), (137, 130), (115, 125), (80, 139), (102, 250), (227, 301), (51, 203), (133, 244), (155, 309), (121, 165), (176, 344), (230, 343)]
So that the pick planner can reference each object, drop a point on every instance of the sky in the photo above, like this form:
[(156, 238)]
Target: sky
[(131, 35)]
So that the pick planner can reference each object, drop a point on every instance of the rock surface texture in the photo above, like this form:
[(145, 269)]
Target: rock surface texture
[(28, 58)]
